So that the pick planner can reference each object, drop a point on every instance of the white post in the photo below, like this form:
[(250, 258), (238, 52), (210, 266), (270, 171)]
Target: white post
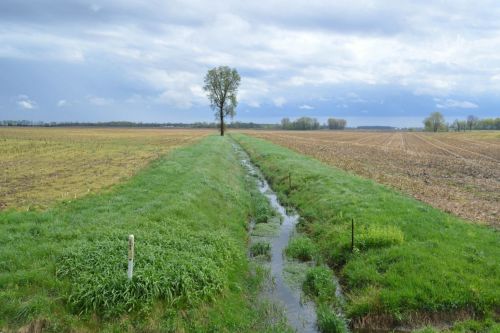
[(130, 256)]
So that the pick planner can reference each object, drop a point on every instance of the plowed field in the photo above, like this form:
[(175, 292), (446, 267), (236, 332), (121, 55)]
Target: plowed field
[(457, 172)]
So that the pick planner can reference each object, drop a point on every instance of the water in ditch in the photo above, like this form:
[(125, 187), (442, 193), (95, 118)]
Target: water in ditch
[(300, 313)]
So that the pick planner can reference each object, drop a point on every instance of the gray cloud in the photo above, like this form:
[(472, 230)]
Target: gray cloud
[(156, 52)]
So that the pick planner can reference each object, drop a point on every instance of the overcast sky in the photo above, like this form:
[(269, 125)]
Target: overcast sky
[(371, 62)]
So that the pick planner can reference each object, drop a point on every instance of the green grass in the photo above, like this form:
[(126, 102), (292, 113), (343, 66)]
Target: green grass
[(410, 259), (301, 248), (319, 284), (188, 211), (329, 321)]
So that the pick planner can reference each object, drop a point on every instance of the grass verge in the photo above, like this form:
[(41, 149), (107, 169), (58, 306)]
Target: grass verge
[(66, 267), (412, 264)]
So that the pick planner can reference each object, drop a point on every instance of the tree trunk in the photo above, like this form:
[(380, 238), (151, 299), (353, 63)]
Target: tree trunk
[(221, 123)]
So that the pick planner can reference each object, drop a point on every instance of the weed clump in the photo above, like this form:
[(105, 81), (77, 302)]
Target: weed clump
[(261, 249), (301, 248)]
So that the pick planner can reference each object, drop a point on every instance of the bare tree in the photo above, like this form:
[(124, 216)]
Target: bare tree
[(471, 121), (221, 85), (286, 123)]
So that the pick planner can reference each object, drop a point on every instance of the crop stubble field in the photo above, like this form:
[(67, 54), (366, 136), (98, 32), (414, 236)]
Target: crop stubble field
[(456, 172), (43, 165)]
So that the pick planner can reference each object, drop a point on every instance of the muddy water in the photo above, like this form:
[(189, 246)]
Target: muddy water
[(301, 314)]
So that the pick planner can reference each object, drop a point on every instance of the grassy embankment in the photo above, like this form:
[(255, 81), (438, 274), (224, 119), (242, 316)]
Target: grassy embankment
[(412, 264), (65, 268)]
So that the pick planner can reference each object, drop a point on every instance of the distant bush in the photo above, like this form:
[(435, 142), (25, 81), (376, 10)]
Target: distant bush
[(261, 249), (301, 248)]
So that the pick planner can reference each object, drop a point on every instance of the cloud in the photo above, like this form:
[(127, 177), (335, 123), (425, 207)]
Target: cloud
[(180, 89), (454, 104), (287, 52), (24, 102), (306, 107), (62, 102), (279, 101), (100, 101), (95, 7)]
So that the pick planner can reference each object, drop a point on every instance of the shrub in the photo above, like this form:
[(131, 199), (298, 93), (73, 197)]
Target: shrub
[(319, 283), (261, 249), (301, 248)]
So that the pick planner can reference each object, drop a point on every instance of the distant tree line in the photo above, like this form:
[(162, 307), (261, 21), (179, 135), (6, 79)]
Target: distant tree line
[(234, 124), (435, 122), (377, 128), (133, 124), (303, 123), (308, 124), (336, 124)]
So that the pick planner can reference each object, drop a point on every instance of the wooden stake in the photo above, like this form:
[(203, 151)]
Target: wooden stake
[(130, 270), (352, 235), (290, 180)]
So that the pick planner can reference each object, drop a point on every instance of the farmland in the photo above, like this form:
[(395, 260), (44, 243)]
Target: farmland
[(204, 225), (43, 165), (456, 172)]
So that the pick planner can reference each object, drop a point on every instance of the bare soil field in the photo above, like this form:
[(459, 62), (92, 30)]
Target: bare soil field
[(42, 165), (456, 172)]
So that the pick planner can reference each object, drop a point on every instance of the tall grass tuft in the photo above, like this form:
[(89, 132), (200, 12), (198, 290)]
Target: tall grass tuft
[(178, 268), (378, 236), (319, 284), (261, 249), (329, 321), (301, 248)]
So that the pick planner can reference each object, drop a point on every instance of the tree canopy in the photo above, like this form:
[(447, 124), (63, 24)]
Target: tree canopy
[(435, 122), (334, 123), (221, 86)]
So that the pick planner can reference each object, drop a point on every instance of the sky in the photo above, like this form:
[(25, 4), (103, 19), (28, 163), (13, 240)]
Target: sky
[(371, 62)]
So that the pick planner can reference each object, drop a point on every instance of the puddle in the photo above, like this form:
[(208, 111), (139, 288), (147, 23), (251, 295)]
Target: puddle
[(300, 313)]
